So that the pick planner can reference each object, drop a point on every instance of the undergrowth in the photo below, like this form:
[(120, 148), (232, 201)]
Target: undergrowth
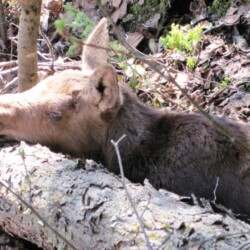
[(225, 82), (75, 22), (219, 7), (183, 38)]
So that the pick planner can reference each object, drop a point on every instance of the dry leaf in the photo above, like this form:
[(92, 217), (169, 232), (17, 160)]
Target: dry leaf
[(120, 12), (153, 22), (134, 38), (116, 3)]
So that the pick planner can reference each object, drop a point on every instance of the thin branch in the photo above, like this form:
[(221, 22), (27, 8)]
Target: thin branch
[(115, 144), (8, 71), (51, 50), (27, 174), (8, 63), (215, 189), (38, 215)]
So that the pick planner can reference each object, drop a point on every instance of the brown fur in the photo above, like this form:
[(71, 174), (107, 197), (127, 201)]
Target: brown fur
[(79, 112)]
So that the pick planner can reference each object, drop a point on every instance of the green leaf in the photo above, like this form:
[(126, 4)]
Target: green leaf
[(152, 45), (247, 87), (225, 82), (191, 64), (21, 152), (59, 24), (133, 81)]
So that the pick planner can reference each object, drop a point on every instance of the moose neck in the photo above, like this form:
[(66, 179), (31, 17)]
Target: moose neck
[(136, 121)]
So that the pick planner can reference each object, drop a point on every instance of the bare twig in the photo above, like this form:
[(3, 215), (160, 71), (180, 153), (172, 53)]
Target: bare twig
[(27, 177), (38, 215), (8, 71), (115, 144), (41, 65), (215, 189), (8, 63), (45, 57), (51, 51), (74, 64)]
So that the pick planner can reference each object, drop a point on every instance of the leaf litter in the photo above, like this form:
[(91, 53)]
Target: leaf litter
[(219, 82)]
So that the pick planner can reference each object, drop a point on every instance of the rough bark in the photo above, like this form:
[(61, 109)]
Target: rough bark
[(90, 208), (27, 43), (3, 29)]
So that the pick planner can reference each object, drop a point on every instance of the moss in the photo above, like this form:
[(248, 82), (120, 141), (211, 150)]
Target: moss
[(225, 82), (142, 13), (219, 7), (75, 22), (147, 9), (182, 38), (191, 64)]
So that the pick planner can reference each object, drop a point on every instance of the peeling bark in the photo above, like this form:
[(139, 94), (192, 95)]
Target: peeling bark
[(90, 208), (27, 43)]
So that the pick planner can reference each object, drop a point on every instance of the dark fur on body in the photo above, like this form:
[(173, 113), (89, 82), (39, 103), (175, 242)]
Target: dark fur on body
[(183, 153)]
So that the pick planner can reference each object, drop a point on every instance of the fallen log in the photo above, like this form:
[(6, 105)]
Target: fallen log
[(88, 206)]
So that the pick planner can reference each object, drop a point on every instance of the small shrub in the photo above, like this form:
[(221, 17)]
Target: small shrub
[(225, 82), (76, 23), (136, 9), (182, 38), (219, 7), (191, 64)]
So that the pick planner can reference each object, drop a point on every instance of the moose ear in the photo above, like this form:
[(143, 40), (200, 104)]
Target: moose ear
[(95, 49), (106, 89)]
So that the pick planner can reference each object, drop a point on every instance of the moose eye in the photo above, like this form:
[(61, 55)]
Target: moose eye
[(55, 116)]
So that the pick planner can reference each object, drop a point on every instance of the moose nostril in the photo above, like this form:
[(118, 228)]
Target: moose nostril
[(55, 116)]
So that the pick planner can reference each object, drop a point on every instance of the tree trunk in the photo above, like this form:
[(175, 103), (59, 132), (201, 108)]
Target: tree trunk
[(90, 208), (27, 43), (3, 30)]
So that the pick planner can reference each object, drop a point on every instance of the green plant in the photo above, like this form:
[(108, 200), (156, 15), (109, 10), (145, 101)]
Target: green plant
[(169, 247), (182, 38), (136, 8), (76, 23), (132, 71), (191, 64), (12, 3), (141, 12), (146, 9), (118, 50), (225, 82), (219, 7), (158, 101), (247, 87)]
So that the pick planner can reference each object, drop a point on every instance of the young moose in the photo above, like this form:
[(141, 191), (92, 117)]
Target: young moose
[(79, 112)]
